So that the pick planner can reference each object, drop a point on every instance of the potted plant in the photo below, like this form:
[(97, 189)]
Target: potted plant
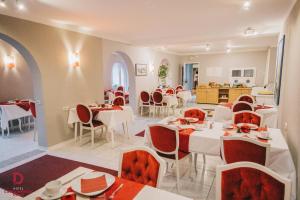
[(163, 74)]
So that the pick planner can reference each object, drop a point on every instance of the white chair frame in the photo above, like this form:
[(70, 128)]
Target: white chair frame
[(265, 145), (251, 112), (175, 152), (90, 127), (246, 95), (196, 154), (161, 108), (244, 102), (222, 168), (142, 106), (162, 164)]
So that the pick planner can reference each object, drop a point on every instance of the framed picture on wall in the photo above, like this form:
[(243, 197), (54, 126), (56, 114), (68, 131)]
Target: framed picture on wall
[(141, 69), (279, 65)]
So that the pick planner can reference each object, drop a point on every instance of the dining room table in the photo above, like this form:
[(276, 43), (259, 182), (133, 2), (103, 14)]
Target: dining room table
[(185, 95), (10, 111), (204, 138), (129, 190), (223, 112), (110, 117)]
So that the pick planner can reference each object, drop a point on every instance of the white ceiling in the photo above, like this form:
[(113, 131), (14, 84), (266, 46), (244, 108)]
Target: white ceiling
[(178, 26)]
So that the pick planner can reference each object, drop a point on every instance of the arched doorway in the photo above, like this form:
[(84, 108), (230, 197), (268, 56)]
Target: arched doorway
[(121, 62), (37, 86)]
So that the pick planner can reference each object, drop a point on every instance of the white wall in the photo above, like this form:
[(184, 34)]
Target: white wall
[(253, 59), (290, 90), (15, 83), (140, 55)]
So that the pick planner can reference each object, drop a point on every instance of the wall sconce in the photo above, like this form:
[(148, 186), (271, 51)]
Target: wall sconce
[(75, 59), (10, 61)]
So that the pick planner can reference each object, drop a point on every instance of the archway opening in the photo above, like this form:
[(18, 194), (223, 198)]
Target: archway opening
[(123, 73), (32, 88)]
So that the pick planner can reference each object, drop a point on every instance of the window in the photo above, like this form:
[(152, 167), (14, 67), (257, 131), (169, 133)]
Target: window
[(119, 75), (236, 73)]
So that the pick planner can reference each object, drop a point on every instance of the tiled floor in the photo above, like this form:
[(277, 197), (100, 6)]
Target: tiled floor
[(195, 186)]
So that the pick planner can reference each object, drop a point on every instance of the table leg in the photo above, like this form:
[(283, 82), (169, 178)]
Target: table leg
[(112, 138), (20, 125), (2, 130), (75, 131), (127, 130)]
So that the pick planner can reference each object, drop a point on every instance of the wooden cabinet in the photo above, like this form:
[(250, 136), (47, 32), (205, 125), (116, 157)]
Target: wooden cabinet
[(234, 93), (207, 95), (218, 95)]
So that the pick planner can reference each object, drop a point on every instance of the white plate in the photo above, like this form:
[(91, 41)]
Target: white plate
[(252, 126), (191, 119), (76, 184), (62, 191)]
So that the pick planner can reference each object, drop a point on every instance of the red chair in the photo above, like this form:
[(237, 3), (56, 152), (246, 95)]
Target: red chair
[(159, 90), (119, 93), (237, 149), (195, 113), (121, 88), (201, 115), (87, 122), (179, 87), (246, 180), (142, 165), (158, 102), (165, 141), (119, 101), (170, 91), (247, 117), (33, 112), (247, 98), (145, 101), (242, 105)]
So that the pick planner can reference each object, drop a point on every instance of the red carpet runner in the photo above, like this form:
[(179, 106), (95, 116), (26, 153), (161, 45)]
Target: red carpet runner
[(31, 176)]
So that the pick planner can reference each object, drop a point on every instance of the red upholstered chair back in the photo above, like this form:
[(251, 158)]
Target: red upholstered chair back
[(246, 98), (119, 101), (246, 180), (119, 93), (195, 113), (84, 114), (157, 97), (237, 149), (141, 165), (170, 91), (242, 105), (247, 117), (179, 87), (32, 109), (164, 139), (145, 97), (159, 90), (120, 88)]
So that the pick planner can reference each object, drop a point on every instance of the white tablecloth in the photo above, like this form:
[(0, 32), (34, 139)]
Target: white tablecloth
[(110, 118), (170, 100), (11, 112), (146, 193), (185, 95), (270, 115), (207, 141)]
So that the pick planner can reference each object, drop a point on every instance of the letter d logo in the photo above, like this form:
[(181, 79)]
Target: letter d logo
[(17, 178)]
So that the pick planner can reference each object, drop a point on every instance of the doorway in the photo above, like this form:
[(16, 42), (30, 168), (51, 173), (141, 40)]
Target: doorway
[(190, 76)]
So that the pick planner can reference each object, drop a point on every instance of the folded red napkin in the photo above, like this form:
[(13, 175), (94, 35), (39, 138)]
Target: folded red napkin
[(184, 139), (24, 105), (93, 184)]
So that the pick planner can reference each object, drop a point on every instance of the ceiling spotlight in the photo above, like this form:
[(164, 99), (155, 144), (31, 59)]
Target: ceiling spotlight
[(228, 50), (207, 47), (250, 32), (20, 5), (246, 5), (2, 4)]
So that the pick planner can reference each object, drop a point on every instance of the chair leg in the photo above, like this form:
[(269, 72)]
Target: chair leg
[(204, 159), (93, 136), (81, 130), (8, 131), (195, 162), (34, 131), (20, 125), (75, 131), (177, 174)]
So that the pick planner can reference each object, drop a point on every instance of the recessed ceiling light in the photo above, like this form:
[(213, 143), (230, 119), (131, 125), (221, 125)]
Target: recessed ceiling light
[(2, 4), (20, 5), (246, 5), (228, 50), (250, 32)]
